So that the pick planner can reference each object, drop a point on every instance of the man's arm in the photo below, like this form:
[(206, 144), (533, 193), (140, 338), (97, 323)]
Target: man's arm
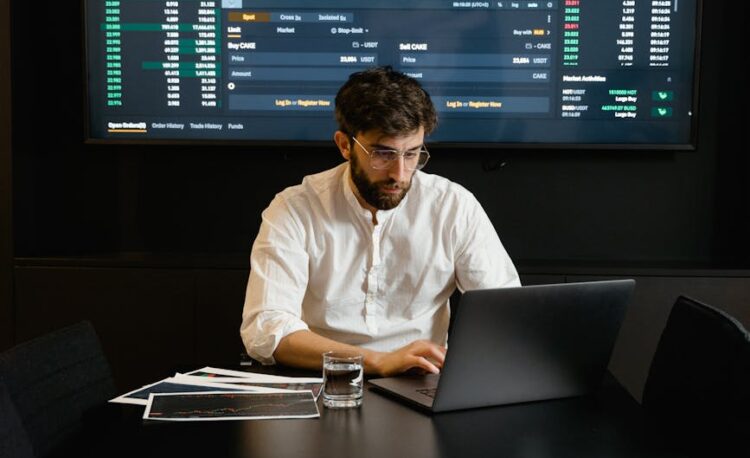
[(305, 349), (481, 260)]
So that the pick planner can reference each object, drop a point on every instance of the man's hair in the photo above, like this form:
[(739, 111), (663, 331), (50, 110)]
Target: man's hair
[(384, 100)]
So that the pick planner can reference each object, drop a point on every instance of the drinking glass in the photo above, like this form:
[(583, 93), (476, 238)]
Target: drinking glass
[(342, 379)]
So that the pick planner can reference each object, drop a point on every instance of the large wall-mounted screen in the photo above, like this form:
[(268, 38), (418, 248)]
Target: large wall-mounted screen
[(619, 73)]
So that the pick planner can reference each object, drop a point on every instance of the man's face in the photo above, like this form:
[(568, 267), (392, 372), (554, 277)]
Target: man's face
[(382, 189)]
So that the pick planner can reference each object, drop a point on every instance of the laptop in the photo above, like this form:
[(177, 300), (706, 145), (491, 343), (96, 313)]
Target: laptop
[(521, 344)]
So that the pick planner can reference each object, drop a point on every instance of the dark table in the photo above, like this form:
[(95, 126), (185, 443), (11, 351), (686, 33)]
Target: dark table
[(608, 424)]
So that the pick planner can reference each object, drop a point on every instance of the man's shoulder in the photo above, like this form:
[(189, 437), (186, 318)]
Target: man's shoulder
[(314, 186), (440, 189)]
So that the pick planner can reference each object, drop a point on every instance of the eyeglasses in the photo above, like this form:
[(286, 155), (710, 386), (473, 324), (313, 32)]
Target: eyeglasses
[(383, 158)]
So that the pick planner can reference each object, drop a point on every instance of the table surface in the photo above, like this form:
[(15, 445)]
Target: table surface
[(607, 424)]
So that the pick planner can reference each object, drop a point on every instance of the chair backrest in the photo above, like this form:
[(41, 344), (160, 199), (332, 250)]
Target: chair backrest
[(13, 439), (53, 380), (698, 386)]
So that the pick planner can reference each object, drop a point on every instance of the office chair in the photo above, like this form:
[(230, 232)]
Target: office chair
[(52, 382), (697, 394), (13, 440)]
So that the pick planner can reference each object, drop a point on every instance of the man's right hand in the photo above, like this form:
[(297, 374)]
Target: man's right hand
[(421, 355)]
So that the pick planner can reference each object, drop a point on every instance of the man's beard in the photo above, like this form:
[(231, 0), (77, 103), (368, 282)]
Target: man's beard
[(372, 192)]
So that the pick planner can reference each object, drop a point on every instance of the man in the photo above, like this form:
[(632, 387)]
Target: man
[(365, 256)]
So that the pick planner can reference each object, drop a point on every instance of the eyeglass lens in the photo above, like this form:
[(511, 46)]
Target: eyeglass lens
[(381, 159)]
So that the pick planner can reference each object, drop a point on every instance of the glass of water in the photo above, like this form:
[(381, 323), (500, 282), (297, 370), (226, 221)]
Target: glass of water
[(342, 379)]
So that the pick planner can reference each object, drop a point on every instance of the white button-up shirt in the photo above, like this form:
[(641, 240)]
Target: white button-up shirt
[(319, 263)]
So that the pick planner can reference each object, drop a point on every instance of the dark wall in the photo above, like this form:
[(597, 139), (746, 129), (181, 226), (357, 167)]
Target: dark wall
[(732, 202), (6, 242), (562, 206)]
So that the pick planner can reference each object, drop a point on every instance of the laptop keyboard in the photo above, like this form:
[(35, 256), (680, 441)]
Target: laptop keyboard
[(428, 391)]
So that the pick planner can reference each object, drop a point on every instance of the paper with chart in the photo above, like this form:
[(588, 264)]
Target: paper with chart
[(216, 406)]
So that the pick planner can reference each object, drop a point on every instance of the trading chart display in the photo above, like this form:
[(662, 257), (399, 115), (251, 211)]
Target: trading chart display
[(558, 72)]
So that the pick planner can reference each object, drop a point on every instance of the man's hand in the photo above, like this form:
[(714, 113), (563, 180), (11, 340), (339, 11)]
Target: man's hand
[(305, 349), (420, 355)]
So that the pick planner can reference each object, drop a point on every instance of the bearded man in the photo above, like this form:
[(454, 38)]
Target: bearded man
[(364, 257)]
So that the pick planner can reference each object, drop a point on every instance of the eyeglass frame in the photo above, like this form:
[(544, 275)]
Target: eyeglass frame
[(389, 162)]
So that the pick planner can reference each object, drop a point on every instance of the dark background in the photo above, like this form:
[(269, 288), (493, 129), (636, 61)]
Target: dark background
[(151, 243)]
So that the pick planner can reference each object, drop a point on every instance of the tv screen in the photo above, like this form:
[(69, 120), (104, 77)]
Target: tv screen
[(557, 73)]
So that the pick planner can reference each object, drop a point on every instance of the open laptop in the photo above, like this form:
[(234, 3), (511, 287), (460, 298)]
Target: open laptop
[(522, 344)]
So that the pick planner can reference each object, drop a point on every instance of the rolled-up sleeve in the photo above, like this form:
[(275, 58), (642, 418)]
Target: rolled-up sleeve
[(277, 283)]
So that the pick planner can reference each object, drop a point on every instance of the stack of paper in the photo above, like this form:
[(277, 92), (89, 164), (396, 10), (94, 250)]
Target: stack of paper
[(220, 394)]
